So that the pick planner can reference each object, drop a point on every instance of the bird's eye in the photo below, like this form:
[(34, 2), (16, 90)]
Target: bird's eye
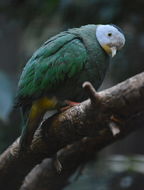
[(109, 34)]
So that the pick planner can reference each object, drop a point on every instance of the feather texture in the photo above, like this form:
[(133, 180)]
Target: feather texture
[(61, 65)]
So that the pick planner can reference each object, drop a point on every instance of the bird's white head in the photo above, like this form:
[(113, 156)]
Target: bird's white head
[(111, 38)]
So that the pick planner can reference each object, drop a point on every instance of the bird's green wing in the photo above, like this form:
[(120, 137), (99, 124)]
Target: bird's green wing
[(60, 58)]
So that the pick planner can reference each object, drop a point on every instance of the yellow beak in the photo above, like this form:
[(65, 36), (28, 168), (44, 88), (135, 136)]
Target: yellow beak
[(110, 50)]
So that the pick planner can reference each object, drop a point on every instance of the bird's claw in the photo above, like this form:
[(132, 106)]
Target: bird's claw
[(68, 104)]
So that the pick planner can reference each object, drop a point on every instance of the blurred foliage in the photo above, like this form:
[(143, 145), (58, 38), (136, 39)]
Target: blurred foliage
[(77, 13), (26, 24), (6, 97), (114, 173), (8, 127), (26, 10)]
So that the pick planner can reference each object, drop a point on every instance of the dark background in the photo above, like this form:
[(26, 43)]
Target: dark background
[(26, 24)]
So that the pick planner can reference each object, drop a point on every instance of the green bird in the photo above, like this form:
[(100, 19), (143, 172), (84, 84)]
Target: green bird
[(54, 75)]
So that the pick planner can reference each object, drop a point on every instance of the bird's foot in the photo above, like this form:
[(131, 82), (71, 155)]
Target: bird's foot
[(69, 104)]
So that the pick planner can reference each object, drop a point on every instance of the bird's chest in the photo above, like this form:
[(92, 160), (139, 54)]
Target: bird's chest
[(95, 69), (72, 87)]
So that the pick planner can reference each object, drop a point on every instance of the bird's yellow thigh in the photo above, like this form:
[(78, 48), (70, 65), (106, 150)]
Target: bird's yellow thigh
[(40, 106)]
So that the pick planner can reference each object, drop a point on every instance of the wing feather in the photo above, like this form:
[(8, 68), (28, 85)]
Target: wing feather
[(61, 57)]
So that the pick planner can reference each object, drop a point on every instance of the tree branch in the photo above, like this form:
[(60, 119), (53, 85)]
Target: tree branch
[(45, 176), (122, 104)]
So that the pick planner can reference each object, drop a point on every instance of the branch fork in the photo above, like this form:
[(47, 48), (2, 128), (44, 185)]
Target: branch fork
[(97, 102)]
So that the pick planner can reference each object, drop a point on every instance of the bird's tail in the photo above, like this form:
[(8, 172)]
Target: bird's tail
[(39, 111)]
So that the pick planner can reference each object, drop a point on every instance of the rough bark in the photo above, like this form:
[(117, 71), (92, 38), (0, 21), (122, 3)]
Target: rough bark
[(108, 116)]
